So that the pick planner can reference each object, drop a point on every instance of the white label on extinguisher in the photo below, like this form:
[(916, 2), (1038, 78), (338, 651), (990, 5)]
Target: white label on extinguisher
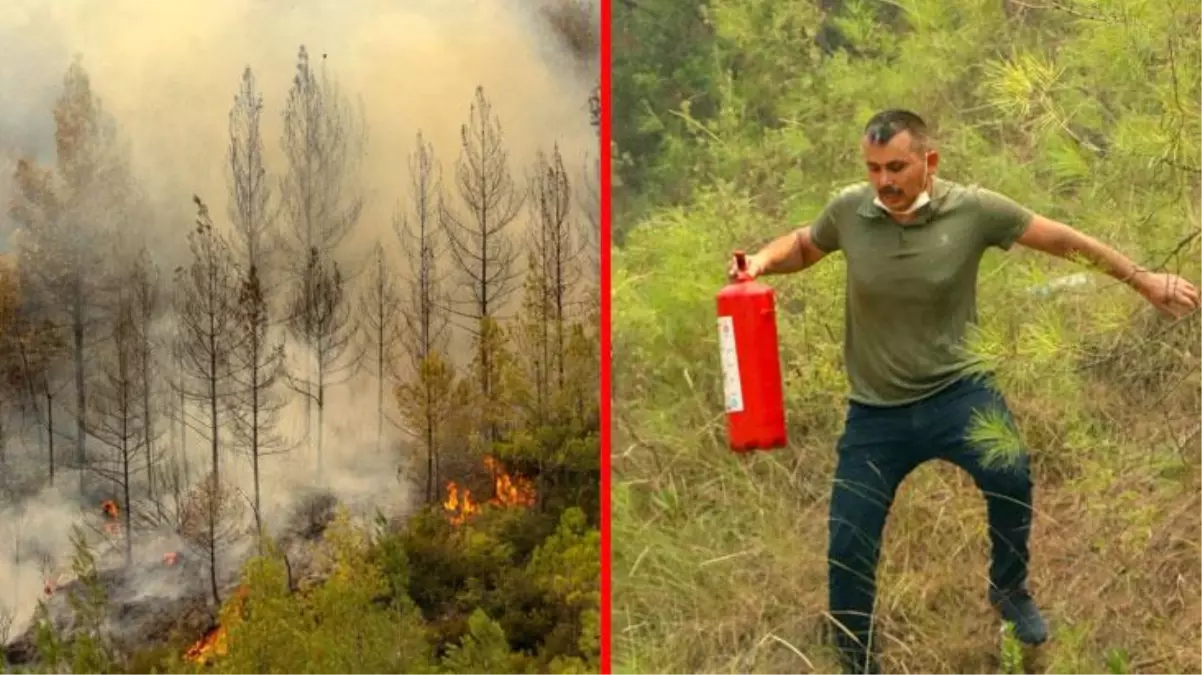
[(732, 386)]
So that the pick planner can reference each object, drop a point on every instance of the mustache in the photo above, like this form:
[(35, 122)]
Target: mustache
[(890, 191)]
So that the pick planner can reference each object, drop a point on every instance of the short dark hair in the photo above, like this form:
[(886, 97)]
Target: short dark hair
[(883, 126)]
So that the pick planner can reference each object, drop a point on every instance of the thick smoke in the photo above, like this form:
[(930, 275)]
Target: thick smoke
[(167, 73)]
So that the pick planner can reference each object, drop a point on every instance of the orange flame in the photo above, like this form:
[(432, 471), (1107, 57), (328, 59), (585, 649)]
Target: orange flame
[(111, 510), (206, 648), (170, 558), (215, 642), (460, 509), (510, 490)]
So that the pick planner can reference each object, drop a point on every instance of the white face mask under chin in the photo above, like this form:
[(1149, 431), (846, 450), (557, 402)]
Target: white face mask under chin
[(922, 200)]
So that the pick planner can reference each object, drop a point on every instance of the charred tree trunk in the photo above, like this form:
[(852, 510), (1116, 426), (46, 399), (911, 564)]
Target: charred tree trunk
[(81, 400)]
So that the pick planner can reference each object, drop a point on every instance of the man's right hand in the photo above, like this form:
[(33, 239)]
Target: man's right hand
[(789, 253), (754, 267)]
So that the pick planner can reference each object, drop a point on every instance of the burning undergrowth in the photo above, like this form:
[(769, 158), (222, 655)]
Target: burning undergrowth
[(163, 596), (509, 490), (166, 592)]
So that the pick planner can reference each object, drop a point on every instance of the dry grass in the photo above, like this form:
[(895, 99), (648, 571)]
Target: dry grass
[(720, 561)]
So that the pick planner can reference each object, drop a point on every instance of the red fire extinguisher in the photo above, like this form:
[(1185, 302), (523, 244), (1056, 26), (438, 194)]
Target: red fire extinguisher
[(755, 411)]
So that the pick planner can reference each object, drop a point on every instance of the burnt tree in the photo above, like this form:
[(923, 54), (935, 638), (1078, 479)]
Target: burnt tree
[(256, 367), (481, 245), (319, 202), (321, 314), (66, 215), (380, 319), (117, 417), (208, 323), (427, 377), (250, 193)]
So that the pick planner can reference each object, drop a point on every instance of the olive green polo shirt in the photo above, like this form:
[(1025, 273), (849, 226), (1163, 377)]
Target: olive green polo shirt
[(911, 289)]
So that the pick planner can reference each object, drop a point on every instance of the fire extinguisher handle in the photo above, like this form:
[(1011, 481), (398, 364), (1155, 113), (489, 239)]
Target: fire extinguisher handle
[(741, 274)]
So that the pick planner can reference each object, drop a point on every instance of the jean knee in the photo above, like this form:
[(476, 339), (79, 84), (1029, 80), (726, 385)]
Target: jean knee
[(845, 547), (855, 533), (1012, 484)]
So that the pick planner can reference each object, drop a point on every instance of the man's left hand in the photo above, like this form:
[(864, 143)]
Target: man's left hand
[(1168, 293)]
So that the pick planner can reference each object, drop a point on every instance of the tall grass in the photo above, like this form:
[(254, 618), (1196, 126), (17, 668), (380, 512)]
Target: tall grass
[(720, 560)]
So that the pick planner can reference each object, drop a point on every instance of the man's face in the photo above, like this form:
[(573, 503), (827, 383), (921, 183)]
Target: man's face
[(896, 170)]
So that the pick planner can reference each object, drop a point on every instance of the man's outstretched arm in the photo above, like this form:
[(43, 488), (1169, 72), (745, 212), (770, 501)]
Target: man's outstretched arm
[(1169, 293), (789, 253)]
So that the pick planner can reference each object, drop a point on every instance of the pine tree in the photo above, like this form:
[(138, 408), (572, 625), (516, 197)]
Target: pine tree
[(480, 242), (67, 214), (208, 328)]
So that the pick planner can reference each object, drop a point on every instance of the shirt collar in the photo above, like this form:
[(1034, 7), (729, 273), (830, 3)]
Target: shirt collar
[(939, 189)]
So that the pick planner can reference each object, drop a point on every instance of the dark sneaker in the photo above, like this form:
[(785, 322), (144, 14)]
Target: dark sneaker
[(1018, 608)]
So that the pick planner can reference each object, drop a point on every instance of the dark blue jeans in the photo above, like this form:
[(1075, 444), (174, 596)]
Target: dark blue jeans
[(878, 449)]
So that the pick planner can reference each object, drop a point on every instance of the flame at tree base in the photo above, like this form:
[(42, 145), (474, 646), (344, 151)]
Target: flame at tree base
[(212, 645), (215, 642)]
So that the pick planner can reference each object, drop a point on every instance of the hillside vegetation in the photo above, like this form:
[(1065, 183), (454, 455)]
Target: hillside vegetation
[(511, 592), (736, 122)]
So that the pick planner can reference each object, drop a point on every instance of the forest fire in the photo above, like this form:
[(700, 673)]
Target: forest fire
[(170, 558), (510, 491), (111, 511), (216, 641), (212, 644), (460, 509)]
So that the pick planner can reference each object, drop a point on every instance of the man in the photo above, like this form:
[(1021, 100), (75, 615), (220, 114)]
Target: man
[(913, 243)]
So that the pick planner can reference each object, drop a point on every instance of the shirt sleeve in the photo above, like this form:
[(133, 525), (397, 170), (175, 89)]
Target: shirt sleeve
[(1004, 219), (824, 231)]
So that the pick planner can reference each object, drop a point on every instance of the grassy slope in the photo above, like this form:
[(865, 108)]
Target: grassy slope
[(719, 562)]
